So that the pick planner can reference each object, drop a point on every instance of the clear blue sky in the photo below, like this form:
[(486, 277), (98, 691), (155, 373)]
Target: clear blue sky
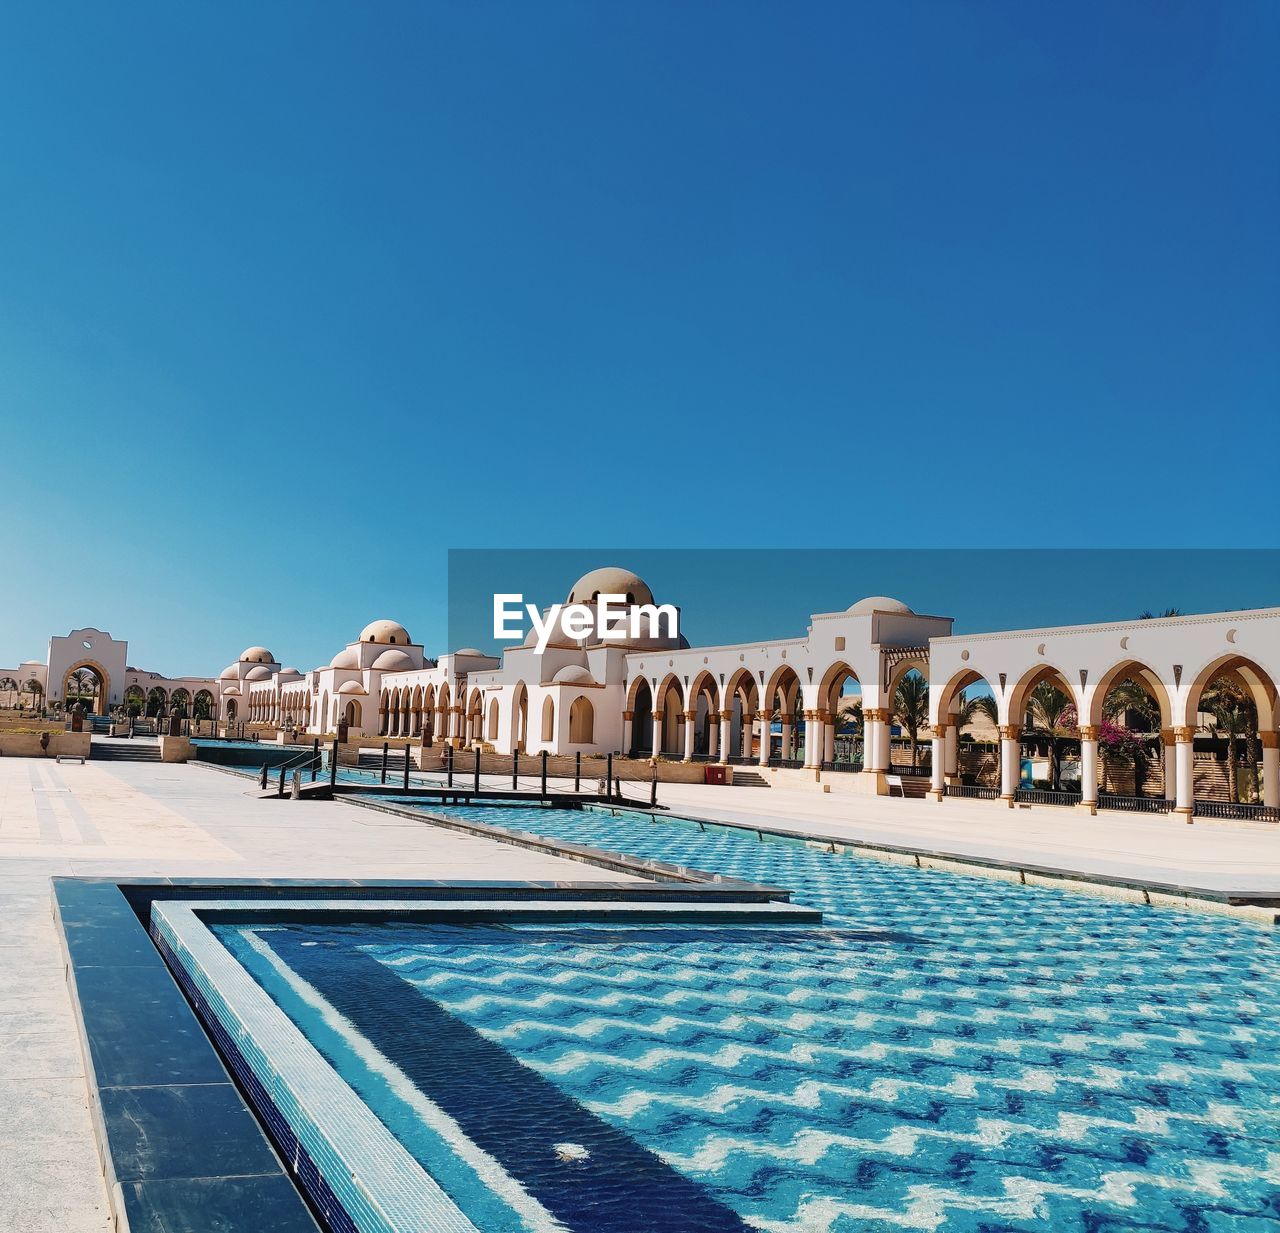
[(909, 273)]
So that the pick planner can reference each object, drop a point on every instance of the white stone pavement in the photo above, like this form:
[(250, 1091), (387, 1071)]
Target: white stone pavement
[(139, 819)]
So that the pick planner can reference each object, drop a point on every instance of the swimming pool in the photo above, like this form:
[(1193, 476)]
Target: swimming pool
[(944, 1052)]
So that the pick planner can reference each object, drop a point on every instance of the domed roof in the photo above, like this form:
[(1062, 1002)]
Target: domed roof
[(393, 661), (230, 673), (387, 632), (346, 658), (469, 650), (231, 691), (289, 672), (573, 674), (351, 687), (878, 603), (256, 655), (611, 580), (257, 674)]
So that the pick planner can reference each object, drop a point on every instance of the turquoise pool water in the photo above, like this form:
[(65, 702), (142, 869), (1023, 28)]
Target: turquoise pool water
[(945, 1053)]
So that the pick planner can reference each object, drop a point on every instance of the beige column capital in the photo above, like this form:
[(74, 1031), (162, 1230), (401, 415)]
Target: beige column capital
[(940, 728), (1270, 740), (1166, 736), (691, 715), (628, 714), (765, 715), (876, 715), (1089, 733), (823, 717), (657, 717), (726, 715), (1010, 732), (1184, 736)]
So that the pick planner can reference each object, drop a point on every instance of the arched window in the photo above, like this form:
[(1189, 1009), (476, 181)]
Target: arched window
[(548, 721), (582, 720)]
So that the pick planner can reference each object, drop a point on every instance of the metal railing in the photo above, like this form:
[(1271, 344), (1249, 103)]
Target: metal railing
[(971, 791), (1046, 796), (1236, 813), (791, 764), (843, 767), (919, 772), (740, 760), (1133, 804)]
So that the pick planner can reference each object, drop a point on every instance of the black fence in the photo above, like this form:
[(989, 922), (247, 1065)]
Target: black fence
[(1046, 796), (794, 764), (971, 791), (1236, 813), (918, 772), (844, 767), (1133, 804)]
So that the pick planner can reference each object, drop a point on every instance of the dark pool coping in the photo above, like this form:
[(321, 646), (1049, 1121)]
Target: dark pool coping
[(180, 1148)]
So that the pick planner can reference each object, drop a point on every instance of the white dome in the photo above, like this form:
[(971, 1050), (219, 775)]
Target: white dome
[(611, 580), (351, 687), (878, 603), (393, 661), (232, 691), (573, 674), (348, 658), (256, 655), (230, 673), (257, 674), (469, 650), (290, 672), (387, 632)]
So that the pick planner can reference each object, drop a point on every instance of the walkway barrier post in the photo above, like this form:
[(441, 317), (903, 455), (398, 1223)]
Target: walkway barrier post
[(263, 783), (386, 748), (333, 764), (449, 762), (515, 770), (608, 774), (280, 785), (543, 789), (653, 790), (406, 768), (315, 757), (577, 771), (476, 782), (295, 788)]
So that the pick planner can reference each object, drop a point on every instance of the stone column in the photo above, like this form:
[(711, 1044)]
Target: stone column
[(952, 746), (1270, 769), (785, 749), (812, 739), (765, 718), (713, 735), (657, 734), (828, 738), (871, 723), (1170, 764), (938, 767), (1089, 767), (1010, 756), (1184, 754), (627, 717), (748, 724), (726, 734), (690, 725)]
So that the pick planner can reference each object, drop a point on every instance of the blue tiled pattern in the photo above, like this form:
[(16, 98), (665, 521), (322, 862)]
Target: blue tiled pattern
[(946, 1053)]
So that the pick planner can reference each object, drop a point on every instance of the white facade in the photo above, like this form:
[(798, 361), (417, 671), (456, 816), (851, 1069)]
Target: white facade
[(653, 695)]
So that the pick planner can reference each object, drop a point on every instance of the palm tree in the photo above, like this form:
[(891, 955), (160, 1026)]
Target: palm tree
[(911, 708), (968, 709), (1052, 714), (9, 686), (1127, 698), (36, 690), (81, 680), (1233, 716), (1147, 615)]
